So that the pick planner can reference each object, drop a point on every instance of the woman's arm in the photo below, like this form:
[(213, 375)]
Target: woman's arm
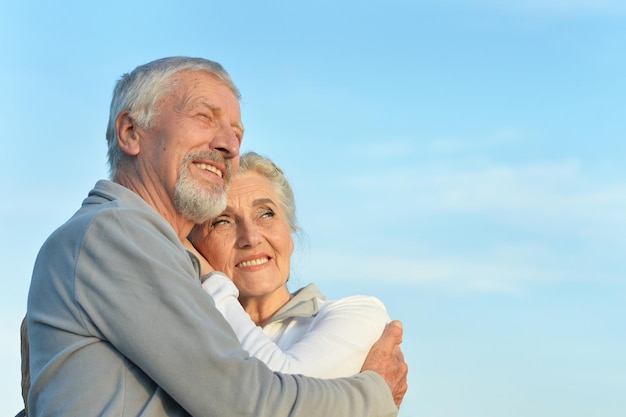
[(335, 344)]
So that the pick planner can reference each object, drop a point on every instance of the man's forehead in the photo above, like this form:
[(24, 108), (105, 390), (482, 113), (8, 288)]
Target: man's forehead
[(196, 88), (199, 78), (209, 92)]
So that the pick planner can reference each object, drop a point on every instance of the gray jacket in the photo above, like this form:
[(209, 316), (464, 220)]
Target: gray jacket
[(119, 326)]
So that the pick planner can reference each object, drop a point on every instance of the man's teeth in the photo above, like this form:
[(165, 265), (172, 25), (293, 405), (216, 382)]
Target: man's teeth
[(253, 262), (211, 168)]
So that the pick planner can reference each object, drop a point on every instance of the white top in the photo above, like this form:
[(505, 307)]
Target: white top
[(309, 335)]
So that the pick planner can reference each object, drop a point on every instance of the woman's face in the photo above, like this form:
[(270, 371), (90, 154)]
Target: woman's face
[(250, 241)]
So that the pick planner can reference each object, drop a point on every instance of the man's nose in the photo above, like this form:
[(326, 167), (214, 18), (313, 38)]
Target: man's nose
[(226, 141)]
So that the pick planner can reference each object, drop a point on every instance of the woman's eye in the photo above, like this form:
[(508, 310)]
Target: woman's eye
[(219, 222), (267, 213)]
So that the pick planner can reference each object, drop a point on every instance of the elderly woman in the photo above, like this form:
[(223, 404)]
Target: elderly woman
[(251, 242)]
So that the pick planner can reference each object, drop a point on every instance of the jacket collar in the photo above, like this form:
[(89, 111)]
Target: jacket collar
[(305, 302)]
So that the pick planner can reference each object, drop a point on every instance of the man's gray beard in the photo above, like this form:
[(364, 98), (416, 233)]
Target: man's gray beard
[(196, 203)]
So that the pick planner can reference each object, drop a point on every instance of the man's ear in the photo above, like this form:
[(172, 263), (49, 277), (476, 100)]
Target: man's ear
[(127, 134)]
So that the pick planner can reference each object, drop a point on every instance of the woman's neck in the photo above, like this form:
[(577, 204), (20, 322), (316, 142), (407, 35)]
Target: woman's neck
[(262, 309)]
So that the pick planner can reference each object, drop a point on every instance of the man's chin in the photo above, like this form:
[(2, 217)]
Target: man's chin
[(196, 203), (199, 210), (201, 214)]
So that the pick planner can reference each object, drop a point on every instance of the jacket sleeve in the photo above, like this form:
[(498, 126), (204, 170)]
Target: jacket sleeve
[(335, 345)]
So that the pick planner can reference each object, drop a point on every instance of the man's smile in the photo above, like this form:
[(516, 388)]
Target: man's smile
[(210, 168)]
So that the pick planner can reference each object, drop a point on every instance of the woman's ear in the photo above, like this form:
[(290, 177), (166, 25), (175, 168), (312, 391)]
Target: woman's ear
[(127, 134)]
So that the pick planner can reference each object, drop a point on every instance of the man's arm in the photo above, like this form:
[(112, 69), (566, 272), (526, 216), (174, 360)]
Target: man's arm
[(145, 300)]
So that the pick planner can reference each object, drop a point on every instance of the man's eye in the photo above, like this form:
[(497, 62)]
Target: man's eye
[(205, 116)]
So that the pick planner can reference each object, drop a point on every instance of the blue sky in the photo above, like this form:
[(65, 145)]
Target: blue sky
[(461, 160)]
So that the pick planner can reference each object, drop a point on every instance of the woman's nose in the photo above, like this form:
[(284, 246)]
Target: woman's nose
[(248, 236)]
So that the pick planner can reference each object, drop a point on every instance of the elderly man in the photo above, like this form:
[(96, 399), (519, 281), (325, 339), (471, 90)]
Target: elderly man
[(118, 322)]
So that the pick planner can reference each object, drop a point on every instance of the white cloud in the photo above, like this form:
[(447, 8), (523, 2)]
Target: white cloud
[(388, 149), (556, 196), (551, 221), (507, 269), (495, 139)]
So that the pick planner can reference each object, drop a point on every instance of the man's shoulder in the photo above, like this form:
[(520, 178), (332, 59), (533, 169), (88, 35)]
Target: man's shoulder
[(111, 214), (115, 204), (110, 195)]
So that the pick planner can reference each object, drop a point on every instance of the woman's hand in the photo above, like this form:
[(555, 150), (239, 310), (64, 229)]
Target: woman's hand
[(205, 266)]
